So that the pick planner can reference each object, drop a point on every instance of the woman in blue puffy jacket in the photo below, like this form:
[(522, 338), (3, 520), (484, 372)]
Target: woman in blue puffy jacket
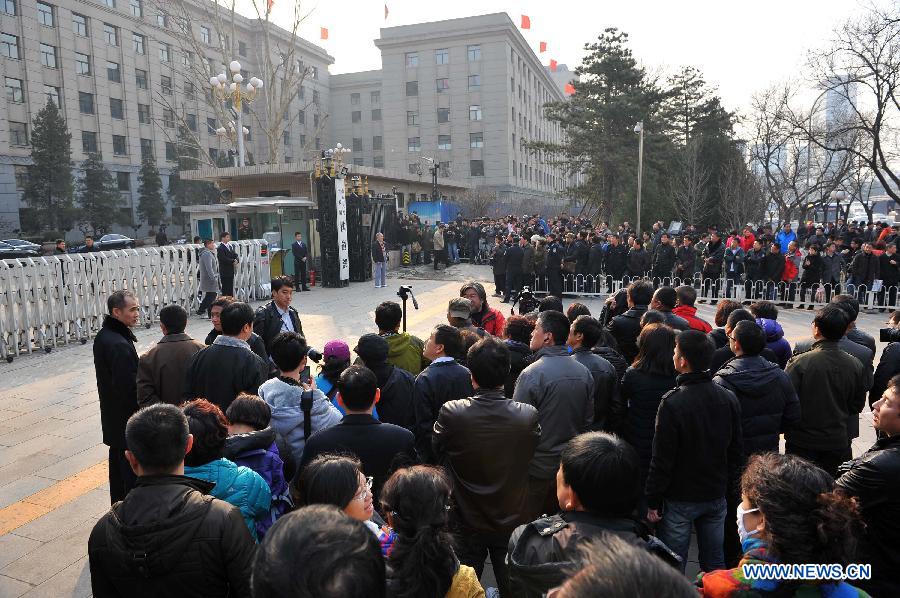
[(235, 484)]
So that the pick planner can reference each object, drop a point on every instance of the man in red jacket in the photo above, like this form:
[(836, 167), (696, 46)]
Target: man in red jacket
[(687, 295), (483, 315)]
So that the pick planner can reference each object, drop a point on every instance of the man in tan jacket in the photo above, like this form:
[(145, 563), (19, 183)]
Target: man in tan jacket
[(162, 369), (440, 251)]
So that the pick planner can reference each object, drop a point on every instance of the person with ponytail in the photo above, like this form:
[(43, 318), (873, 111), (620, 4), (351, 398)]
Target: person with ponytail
[(790, 513), (421, 562)]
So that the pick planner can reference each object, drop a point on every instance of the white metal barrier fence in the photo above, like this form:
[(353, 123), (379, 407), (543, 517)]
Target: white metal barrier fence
[(55, 300), (794, 294)]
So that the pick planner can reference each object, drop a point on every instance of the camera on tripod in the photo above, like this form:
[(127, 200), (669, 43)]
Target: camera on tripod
[(526, 300), (406, 293)]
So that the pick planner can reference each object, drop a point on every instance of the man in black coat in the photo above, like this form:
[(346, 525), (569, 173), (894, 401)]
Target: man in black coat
[(616, 260), (228, 259), (890, 275), (485, 443), (664, 300), (225, 369), (697, 451), (686, 259), (395, 405), (514, 255), (874, 479), (443, 380), (864, 269), (168, 537), (116, 366), (754, 266), (663, 258), (583, 335), (555, 255), (279, 315), (713, 258), (773, 269), (381, 447), (498, 266), (301, 255), (626, 327)]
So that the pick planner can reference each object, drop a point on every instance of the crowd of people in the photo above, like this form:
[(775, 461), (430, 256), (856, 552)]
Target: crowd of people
[(811, 264), (575, 452)]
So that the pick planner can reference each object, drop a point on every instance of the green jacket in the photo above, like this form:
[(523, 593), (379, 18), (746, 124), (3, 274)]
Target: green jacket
[(405, 351), (831, 385)]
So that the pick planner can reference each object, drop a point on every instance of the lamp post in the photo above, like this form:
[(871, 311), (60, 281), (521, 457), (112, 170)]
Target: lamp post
[(223, 91), (433, 169), (639, 129), (837, 196)]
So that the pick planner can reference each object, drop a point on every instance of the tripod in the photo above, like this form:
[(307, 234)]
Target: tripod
[(405, 293)]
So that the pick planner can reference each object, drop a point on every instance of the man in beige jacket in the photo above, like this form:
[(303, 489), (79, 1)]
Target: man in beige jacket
[(162, 369), (440, 251)]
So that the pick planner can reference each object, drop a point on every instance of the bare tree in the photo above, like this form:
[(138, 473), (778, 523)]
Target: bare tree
[(796, 174), (476, 202), (742, 200), (276, 55), (861, 67), (859, 187), (689, 186)]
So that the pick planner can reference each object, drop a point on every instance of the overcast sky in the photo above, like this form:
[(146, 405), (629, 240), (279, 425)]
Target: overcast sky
[(741, 47)]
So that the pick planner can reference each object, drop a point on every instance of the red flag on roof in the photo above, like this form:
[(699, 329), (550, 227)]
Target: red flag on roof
[(552, 65), (569, 89), (543, 46), (269, 4), (323, 33), (526, 22), (385, 12)]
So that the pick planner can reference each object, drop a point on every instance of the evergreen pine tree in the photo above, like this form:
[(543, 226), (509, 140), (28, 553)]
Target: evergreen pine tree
[(98, 196), (49, 191), (151, 204)]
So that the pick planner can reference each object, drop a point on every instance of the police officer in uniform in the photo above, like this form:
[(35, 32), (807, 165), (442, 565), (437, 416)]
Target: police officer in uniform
[(555, 255)]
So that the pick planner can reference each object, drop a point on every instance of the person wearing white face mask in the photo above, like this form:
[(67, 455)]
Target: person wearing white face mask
[(790, 513)]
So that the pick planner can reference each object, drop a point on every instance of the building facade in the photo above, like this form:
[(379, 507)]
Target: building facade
[(126, 75), (466, 94)]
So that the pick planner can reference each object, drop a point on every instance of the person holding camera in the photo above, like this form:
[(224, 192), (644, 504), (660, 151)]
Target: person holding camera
[(889, 364)]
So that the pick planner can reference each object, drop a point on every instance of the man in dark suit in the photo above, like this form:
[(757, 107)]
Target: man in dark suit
[(301, 253), (228, 258), (382, 448), (279, 315)]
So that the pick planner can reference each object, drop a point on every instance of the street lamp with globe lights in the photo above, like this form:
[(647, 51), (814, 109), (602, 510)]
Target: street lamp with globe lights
[(639, 129), (837, 196), (224, 91)]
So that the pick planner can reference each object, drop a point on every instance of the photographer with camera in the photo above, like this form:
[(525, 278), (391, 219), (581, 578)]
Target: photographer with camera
[(889, 364), (483, 315)]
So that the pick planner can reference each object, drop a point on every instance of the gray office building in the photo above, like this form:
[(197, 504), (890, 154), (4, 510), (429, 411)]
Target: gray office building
[(126, 73)]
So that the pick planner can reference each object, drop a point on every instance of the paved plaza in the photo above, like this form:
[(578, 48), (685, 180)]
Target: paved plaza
[(53, 464)]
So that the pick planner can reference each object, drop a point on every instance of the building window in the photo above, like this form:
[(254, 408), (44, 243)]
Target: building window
[(171, 156), (213, 155), (376, 114), (444, 142), (45, 14), (137, 8), (140, 78), (476, 167), (14, 91), (357, 144), (314, 71), (137, 43), (18, 133), (48, 56), (413, 144), (165, 53), (356, 116), (414, 168), (378, 162), (144, 114), (474, 81), (444, 168), (80, 24), (443, 115), (514, 168), (82, 64), (476, 140), (242, 48), (86, 102), (376, 143), (21, 177), (302, 93), (302, 140), (211, 126), (354, 99), (168, 118), (358, 162), (442, 85), (191, 120), (412, 88), (316, 97), (187, 59), (474, 112), (204, 34), (474, 53), (412, 59), (412, 118), (442, 56), (113, 72), (89, 142), (286, 137), (146, 149), (165, 85), (116, 108), (111, 3), (119, 148), (9, 46), (123, 181), (111, 33), (52, 94), (162, 20), (8, 6), (375, 97), (301, 117), (315, 121), (318, 143)]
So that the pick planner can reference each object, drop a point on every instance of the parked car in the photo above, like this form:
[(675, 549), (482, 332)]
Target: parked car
[(8, 251), (108, 242), (21, 244)]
